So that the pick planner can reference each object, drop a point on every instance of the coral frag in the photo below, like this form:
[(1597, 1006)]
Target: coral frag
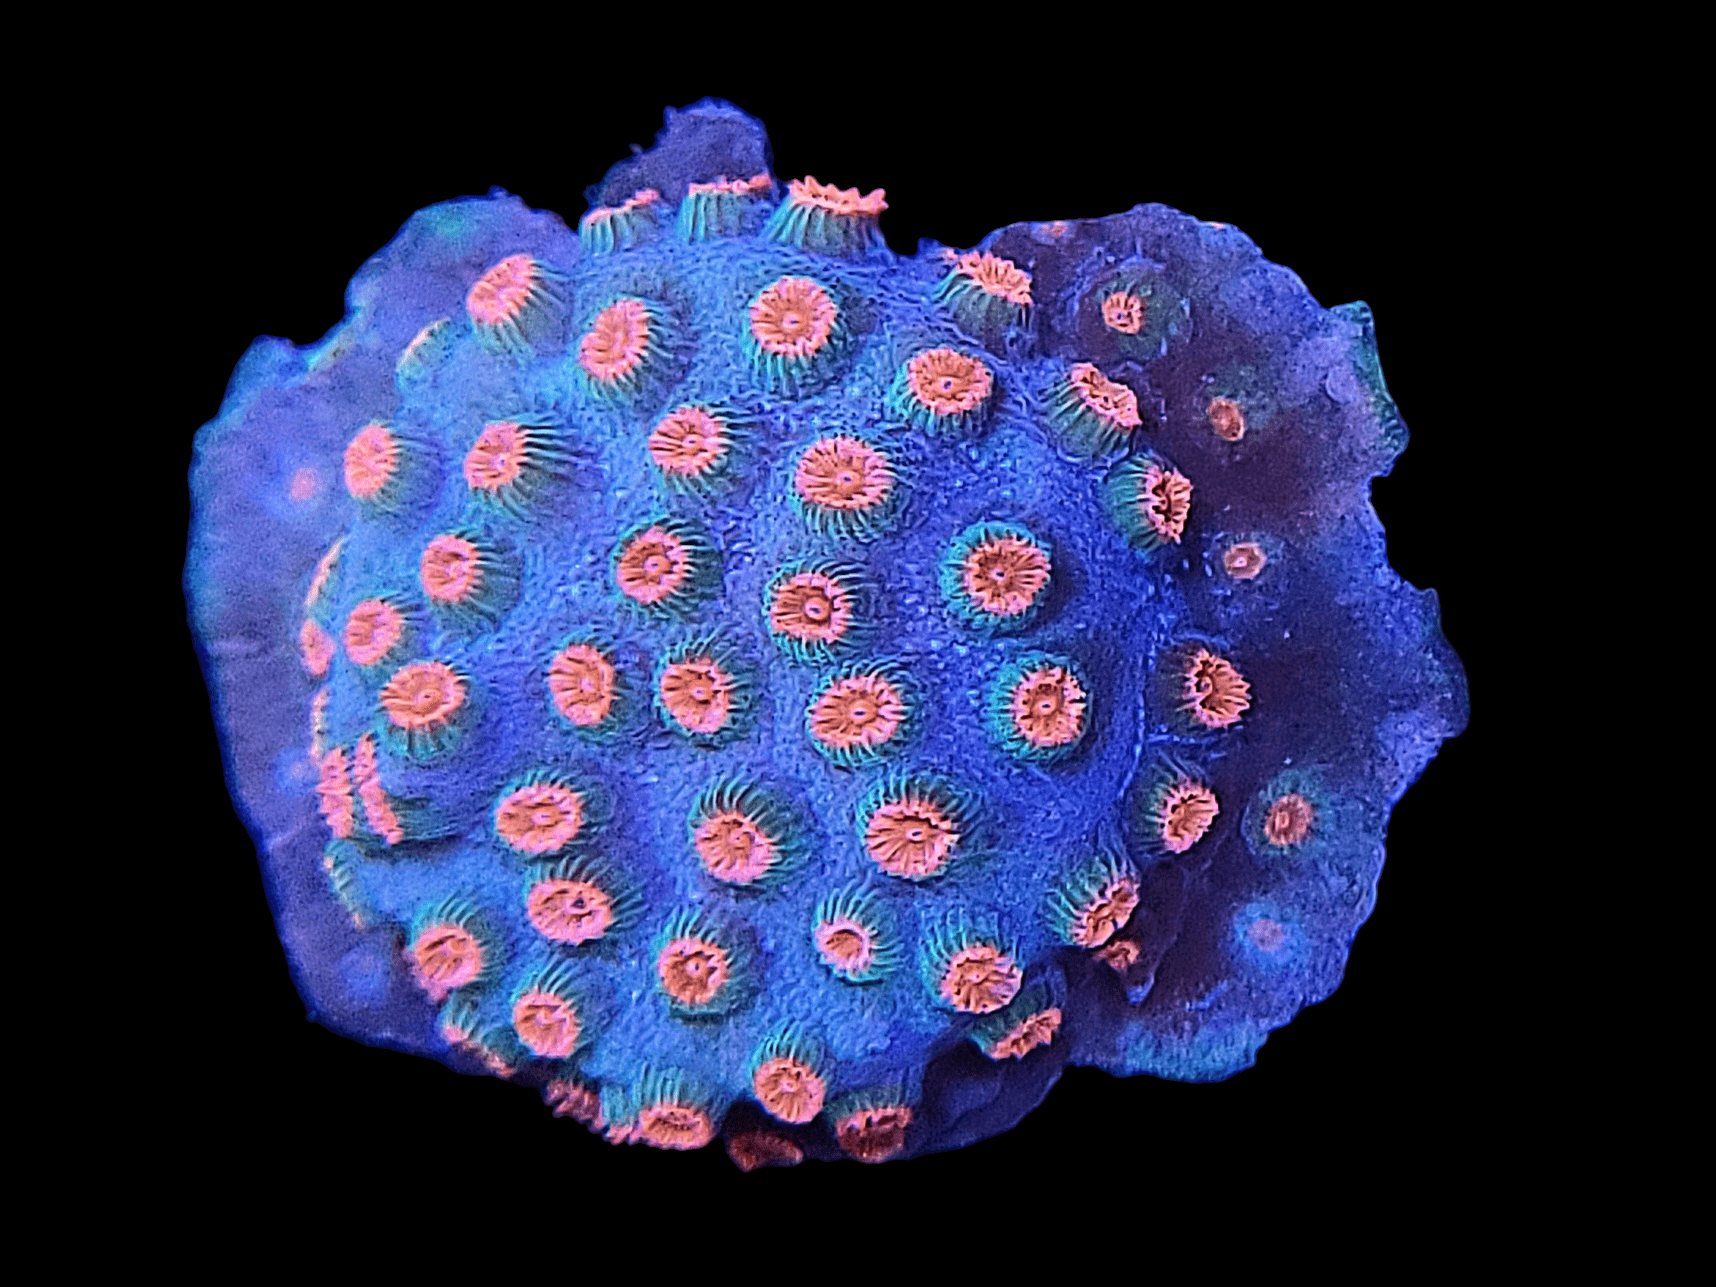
[(751, 685)]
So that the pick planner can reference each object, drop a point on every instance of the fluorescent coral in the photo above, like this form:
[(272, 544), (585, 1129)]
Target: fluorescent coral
[(754, 685)]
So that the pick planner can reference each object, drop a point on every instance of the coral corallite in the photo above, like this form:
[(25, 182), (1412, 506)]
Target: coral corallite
[(713, 666)]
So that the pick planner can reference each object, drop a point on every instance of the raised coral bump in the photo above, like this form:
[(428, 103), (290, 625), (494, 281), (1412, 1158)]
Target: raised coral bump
[(1094, 415), (605, 229), (424, 707), (913, 827), (871, 1125), (821, 217), (514, 462), (945, 393), (584, 684), (860, 712), (788, 1075), (996, 576), (845, 486), (451, 946), (695, 447), (550, 1014), (704, 689), (723, 207), (817, 611), (469, 579), (986, 294), (541, 813), (630, 351), (1149, 500), (795, 332), (745, 835), (702, 964), (1093, 900), (1176, 808), (1039, 707), (666, 567), (968, 966), (581, 899), (854, 937), (515, 304), (1031, 1021)]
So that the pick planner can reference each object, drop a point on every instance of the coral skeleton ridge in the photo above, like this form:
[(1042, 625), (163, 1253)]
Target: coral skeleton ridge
[(755, 686)]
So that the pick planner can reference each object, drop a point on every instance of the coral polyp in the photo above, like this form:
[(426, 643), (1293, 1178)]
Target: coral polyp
[(794, 335), (822, 217), (943, 392), (747, 683)]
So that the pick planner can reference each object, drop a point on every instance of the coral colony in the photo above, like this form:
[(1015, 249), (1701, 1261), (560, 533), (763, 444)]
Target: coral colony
[(748, 684)]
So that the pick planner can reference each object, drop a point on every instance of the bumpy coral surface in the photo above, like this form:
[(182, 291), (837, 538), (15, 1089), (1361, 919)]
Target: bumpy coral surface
[(749, 684)]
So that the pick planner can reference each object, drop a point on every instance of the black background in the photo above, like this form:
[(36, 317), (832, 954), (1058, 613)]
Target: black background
[(269, 221)]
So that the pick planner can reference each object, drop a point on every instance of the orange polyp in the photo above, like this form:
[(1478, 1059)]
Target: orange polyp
[(451, 570), (371, 460), (811, 608), (306, 483), (693, 970), (616, 342), (734, 848), (1288, 821), (980, 979), (1124, 312), (372, 631), (857, 712), (843, 473), (316, 648), (1030, 1032), (540, 818), (582, 683), (654, 565), (1214, 693), (334, 792), (793, 318), (501, 294), (1048, 706), (675, 1126), (1243, 560), (423, 696), (546, 1023), (445, 958), (698, 694), (1004, 575), (1120, 955), (999, 277), (688, 443), (873, 1134), (1164, 500), (911, 838), (498, 457), (569, 911), (845, 944), (1227, 421), (1106, 913), (1186, 813), (838, 201), (1108, 400), (789, 1089), (949, 383)]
